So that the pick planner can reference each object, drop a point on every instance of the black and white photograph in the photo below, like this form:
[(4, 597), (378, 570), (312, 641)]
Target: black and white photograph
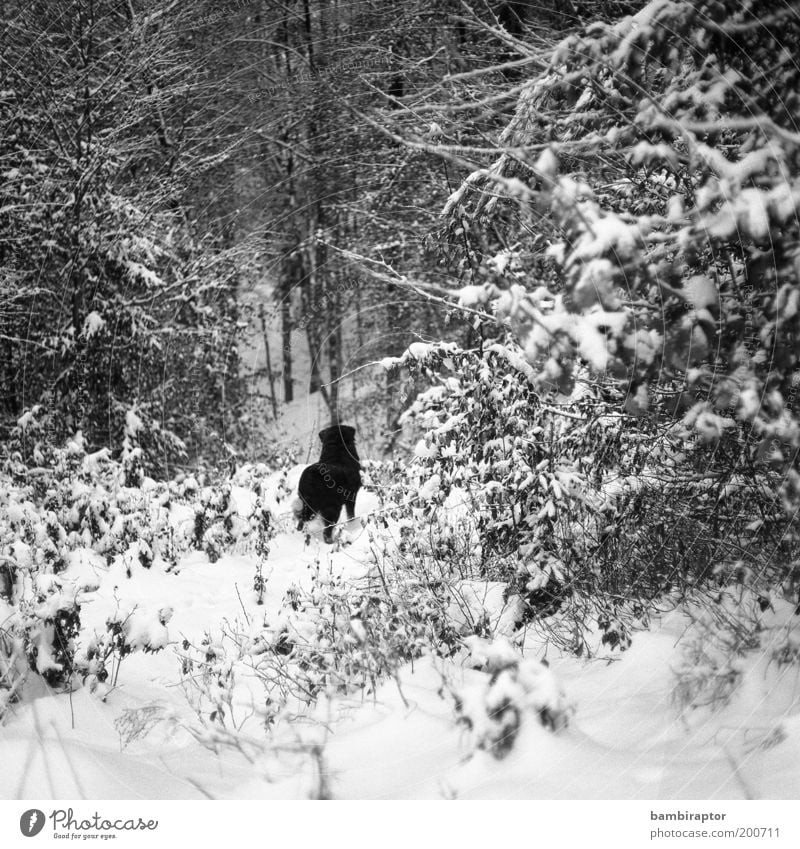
[(399, 401)]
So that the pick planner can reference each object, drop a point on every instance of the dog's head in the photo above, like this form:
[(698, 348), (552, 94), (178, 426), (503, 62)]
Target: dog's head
[(339, 445), (337, 433)]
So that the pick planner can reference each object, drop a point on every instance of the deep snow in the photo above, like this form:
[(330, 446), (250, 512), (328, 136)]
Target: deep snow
[(626, 737)]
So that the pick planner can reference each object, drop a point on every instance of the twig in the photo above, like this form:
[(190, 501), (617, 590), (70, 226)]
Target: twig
[(247, 618)]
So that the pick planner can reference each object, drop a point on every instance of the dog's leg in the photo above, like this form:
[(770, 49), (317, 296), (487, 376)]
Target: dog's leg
[(350, 507), (330, 516), (306, 515)]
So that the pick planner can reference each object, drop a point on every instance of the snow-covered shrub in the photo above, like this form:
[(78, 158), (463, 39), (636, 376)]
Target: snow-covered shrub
[(67, 507), (654, 248), (13, 664), (235, 512), (209, 678), (486, 473), (212, 521), (516, 691), (736, 636), (131, 458), (336, 638), (127, 630), (341, 638), (581, 510), (507, 487), (47, 620)]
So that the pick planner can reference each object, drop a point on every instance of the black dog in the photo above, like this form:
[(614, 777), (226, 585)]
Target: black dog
[(332, 483)]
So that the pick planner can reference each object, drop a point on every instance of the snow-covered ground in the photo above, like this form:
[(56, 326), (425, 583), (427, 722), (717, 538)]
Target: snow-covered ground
[(625, 737)]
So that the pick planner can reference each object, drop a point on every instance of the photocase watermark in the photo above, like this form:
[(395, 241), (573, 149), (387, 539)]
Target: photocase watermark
[(326, 72), (326, 300), (330, 483), (65, 825), (317, 309), (32, 822), (208, 17), (204, 18)]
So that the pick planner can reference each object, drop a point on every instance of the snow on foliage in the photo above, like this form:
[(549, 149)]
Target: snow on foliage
[(93, 324), (133, 424), (673, 211), (506, 557), (612, 443), (148, 277), (515, 691), (55, 550), (476, 297)]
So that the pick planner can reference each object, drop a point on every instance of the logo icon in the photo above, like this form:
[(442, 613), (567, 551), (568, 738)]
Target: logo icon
[(31, 822)]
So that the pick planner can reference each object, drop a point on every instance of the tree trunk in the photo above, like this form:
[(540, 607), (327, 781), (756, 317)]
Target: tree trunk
[(286, 337), (270, 374), (334, 353)]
